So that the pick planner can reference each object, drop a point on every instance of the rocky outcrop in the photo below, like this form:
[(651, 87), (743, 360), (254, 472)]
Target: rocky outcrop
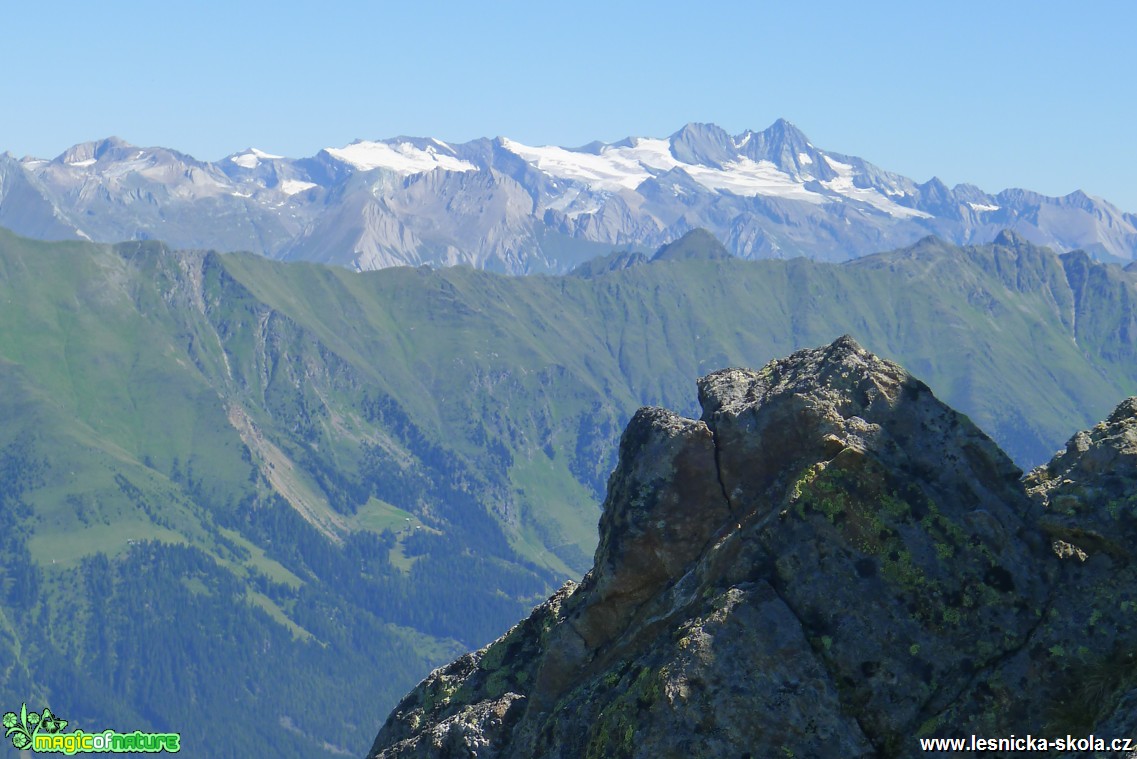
[(830, 562), (1087, 505), (1089, 489)]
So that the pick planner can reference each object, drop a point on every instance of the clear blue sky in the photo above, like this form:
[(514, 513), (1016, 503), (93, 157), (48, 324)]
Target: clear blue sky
[(1028, 94)]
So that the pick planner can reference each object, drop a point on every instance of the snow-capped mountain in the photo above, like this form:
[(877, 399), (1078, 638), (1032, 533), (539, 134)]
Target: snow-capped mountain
[(504, 205)]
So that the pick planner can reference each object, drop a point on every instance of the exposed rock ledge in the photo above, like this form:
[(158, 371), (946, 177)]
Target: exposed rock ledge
[(830, 562)]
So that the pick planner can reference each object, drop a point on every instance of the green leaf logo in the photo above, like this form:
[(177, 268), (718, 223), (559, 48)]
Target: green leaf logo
[(50, 723), (23, 728)]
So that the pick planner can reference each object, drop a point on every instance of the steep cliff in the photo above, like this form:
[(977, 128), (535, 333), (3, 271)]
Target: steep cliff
[(830, 562)]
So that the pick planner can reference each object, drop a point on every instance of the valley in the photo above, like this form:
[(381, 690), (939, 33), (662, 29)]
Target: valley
[(298, 488)]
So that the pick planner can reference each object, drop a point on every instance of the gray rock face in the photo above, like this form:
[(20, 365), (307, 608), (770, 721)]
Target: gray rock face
[(1089, 490), (1087, 496), (830, 562)]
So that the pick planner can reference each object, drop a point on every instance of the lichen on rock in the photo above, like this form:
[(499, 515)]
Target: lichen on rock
[(830, 561)]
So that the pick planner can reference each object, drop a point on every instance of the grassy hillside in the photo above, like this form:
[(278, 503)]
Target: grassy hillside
[(290, 488)]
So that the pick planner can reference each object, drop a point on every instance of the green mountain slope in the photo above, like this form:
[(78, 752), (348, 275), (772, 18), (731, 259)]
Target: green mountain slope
[(292, 489)]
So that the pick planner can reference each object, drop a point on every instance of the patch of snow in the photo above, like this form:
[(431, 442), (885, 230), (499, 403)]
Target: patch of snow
[(402, 158), (82, 164), (442, 144), (750, 178), (141, 164), (843, 185), (293, 186), (252, 158), (745, 140), (804, 158), (613, 169), (240, 194), (624, 168), (982, 208), (180, 180), (564, 201), (576, 201), (587, 210)]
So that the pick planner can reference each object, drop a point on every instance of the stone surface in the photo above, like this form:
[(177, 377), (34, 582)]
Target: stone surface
[(1087, 504), (829, 562), (1089, 489)]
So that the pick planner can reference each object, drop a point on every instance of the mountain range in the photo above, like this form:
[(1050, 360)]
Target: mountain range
[(505, 206), (291, 488)]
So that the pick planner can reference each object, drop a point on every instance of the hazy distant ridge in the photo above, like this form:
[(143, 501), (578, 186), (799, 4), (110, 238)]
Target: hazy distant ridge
[(504, 206)]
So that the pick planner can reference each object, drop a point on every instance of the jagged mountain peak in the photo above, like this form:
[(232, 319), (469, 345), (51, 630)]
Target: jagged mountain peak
[(703, 144), (781, 143), (782, 132), (787, 147), (788, 128)]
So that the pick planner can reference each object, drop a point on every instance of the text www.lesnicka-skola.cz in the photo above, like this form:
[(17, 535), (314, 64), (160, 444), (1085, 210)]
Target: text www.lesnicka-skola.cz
[(1029, 743)]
